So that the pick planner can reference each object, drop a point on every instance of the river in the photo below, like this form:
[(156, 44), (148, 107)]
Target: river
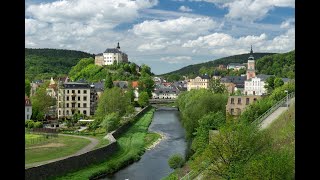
[(153, 164)]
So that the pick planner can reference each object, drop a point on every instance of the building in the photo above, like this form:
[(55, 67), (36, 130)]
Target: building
[(34, 85), (237, 104), (251, 72), (111, 55), (165, 93), (236, 66), (222, 67), (52, 89), (234, 83), (76, 96), (255, 85), (121, 84), (135, 87), (198, 82), (28, 108)]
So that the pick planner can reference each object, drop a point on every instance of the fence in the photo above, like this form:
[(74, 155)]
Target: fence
[(43, 135), (273, 108)]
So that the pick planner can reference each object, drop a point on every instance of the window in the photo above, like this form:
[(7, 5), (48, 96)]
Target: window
[(59, 112), (68, 91), (254, 93), (73, 105), (67, 98), (73, 98), (239, 100), (84, 112), (27, 116), (72, 91), (84, 91), (78, 111), (67, 105), (84, 105), (78, 104), (255, 99), (67, 113), (27, 109), (232, 101), (232, 111), (247, 101), (84, 98), (78, 91), (78, 98)]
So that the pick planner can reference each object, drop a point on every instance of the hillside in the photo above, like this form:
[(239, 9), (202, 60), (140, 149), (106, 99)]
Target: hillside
[(194, 69), (281, 65), (46, 63)]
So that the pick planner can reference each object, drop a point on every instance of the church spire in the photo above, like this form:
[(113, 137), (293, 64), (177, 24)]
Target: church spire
[(118, 47), (251, 52)]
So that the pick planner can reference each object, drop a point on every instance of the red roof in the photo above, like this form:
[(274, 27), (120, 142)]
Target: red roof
[(27, 101), (134, 84)]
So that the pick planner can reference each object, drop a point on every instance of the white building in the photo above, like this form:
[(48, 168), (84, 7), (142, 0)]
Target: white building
[(110, 56), (28, 108), (255, 85), (165, 93), (75, 96)]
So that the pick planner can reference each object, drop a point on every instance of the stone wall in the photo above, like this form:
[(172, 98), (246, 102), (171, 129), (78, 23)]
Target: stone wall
[(77, 162)]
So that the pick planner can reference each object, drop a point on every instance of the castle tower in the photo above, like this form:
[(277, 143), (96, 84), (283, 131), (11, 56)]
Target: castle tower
[(251, 72), (118, 46)]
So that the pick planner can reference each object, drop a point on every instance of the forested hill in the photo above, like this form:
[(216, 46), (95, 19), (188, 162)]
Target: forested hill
[(46, 63), (281, 65), (194, 69)]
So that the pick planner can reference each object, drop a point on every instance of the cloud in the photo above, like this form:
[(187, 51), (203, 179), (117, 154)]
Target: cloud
[(249, 10), (185, 9), (181, 27), (289, 23), (176, 60)]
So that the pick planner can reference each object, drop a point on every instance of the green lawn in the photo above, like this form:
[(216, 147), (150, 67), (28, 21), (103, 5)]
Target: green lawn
[(131, 146), (53, 148), (102, 142)]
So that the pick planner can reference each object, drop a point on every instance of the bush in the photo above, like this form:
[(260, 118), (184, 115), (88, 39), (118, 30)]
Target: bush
[(38, 125), (176, 161), (30, 124), (27, 123)]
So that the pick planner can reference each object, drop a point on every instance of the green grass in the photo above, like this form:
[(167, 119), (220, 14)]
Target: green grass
[(131, 147), (150, 138), (53, 148), (102, 142)]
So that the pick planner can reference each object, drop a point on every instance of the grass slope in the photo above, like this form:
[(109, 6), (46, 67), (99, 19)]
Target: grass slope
[(131, 146), (53, 148)]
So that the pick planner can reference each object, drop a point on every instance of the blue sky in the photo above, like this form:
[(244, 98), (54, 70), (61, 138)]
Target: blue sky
[(164, 34)]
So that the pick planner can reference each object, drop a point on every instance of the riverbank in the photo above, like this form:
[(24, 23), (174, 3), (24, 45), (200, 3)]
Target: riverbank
[(131, 148)]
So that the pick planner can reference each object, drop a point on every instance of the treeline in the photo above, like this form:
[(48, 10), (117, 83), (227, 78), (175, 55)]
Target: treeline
[(280, 65), (47, 63), (194, 69)]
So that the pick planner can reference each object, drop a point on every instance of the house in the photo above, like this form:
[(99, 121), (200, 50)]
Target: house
[(111, 55), (233, 83), (27, 108), (237, 104), (198, 82), (34, 85), (121, 84), (52, 89), (222, 67), (181, 85), (236, 66), (255, 85), (135, 91), (165, 93), (76, 96)]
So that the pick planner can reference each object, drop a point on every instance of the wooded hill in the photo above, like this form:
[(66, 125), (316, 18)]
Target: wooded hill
[(194, 69), (46, 63)]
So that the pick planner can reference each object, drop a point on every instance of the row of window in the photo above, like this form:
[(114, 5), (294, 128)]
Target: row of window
[(232, 111), (74, 91), (194, 84), (72, 112), (84, 105), (239, 100), (72, 98)]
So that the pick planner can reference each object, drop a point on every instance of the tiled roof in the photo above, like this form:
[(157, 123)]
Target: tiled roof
[(134, 84)]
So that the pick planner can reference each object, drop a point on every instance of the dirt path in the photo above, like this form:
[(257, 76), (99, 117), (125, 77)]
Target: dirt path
[(87, 148)]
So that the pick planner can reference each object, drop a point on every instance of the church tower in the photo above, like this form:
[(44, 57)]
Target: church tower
[(251, 72), (118, 47)]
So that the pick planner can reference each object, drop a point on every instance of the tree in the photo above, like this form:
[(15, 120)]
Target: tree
[(176, 161), (41, 102), (146, 83), (145, 69), (217, 87), (108, 82), (110, 121), (270, 84), (38, 125), (143, 99), (278, 82), (83, 63), (27, 87)]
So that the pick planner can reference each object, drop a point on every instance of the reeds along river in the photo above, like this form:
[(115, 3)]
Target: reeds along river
[(153, 165)]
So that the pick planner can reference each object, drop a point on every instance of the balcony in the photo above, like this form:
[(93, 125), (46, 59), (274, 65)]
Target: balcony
[(73, 94)]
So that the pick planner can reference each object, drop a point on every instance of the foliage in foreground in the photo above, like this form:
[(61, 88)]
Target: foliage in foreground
[(176, 161)]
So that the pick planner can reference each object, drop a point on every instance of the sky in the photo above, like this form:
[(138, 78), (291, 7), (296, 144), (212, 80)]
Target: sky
[(164, 34)]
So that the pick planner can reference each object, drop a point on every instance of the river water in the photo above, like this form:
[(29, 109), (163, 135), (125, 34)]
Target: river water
[(153, 164)]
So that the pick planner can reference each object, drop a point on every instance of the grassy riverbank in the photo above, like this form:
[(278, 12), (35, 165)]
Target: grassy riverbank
[(131, 146)]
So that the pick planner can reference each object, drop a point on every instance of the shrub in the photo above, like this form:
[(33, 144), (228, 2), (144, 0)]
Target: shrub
[(30, 124), (38, 125), (27, 123), (176, 161)]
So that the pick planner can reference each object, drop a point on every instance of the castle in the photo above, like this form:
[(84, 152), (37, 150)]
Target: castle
[(110, 56)]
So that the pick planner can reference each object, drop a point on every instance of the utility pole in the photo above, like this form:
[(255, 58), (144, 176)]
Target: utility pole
[(287, 98)]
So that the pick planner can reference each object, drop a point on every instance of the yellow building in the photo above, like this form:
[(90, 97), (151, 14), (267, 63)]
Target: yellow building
[(198, 83)]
